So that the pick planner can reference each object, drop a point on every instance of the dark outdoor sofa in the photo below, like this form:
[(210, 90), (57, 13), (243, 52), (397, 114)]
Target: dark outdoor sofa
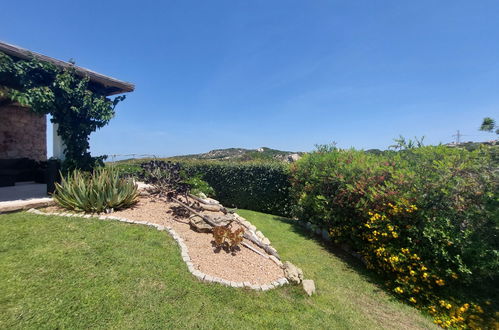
[(21, 169)]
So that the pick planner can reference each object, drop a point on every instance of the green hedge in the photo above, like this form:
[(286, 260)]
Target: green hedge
[(257, 186), (425, 218), (263, 187)]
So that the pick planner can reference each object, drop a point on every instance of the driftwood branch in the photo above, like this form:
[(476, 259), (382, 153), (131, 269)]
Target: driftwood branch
[(212, 223), (265, 247), (254, 250), (208, 206), (204, 217)]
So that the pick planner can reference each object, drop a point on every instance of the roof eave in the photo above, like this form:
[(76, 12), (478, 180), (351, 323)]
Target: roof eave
[(112, 85)]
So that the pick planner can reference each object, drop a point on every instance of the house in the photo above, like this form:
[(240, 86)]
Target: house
[(23, 133)]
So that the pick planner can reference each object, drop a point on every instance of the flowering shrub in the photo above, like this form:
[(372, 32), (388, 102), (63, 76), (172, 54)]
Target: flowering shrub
[(425, 218)]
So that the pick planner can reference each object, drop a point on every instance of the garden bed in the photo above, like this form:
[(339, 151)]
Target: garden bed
[(240, 266)]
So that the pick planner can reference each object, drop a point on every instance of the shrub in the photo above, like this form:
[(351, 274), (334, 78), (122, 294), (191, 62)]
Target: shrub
[(126, 170), (95, 192), (199, 186), (258, 186), (425, 218)]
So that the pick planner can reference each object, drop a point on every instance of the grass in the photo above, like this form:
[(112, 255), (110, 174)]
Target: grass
[(84, 273)]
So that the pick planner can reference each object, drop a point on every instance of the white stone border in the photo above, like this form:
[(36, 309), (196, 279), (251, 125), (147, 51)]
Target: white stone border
[(184, 251)]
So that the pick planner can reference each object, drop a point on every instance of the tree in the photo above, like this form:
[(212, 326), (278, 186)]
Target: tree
[(402, 144), (78, 106), (489, 125)]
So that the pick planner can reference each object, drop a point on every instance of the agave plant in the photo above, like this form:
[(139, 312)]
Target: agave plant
[(99, 191)]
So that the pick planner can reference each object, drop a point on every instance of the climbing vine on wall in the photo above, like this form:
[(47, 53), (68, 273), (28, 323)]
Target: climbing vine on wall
[(78, 106)]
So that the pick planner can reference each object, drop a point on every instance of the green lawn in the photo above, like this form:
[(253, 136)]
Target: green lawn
[(83, 273)]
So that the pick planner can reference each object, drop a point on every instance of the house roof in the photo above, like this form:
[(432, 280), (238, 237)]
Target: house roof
[(111, 85)]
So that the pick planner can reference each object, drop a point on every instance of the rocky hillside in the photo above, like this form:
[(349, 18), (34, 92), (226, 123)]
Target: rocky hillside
[(241, 154)]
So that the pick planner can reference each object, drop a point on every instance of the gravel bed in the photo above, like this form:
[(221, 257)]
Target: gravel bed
[(243, 265)]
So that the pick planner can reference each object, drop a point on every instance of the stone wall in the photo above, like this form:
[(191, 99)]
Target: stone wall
[(22, 133)]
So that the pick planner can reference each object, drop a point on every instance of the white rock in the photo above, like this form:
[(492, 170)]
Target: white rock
[(255, 287), (198, 274), (292, 273), (208, 278), (309, 287), (265, 287), (224, 282), (212, 201), (282, 281)]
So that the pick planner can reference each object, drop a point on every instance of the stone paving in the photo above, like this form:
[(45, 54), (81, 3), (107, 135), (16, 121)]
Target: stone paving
[(23, 196)]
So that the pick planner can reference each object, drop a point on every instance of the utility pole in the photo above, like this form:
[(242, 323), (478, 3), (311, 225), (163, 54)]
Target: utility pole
[(458, 136)]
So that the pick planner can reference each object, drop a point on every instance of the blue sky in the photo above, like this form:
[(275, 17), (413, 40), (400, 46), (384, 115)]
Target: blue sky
[(281, 74)]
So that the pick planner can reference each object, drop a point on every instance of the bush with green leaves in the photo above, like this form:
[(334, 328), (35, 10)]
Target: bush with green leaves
[(126, 170), (258, 186), (97, 191), (425, 218), (199, 186)]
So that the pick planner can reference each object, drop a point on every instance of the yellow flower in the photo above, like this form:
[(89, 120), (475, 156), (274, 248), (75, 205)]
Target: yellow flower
[(399, 290), (425, 275), (440, 282), (412, 273), (395, 235), (413, 300)]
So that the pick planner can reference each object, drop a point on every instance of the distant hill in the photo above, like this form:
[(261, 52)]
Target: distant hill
[(241, 154)]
